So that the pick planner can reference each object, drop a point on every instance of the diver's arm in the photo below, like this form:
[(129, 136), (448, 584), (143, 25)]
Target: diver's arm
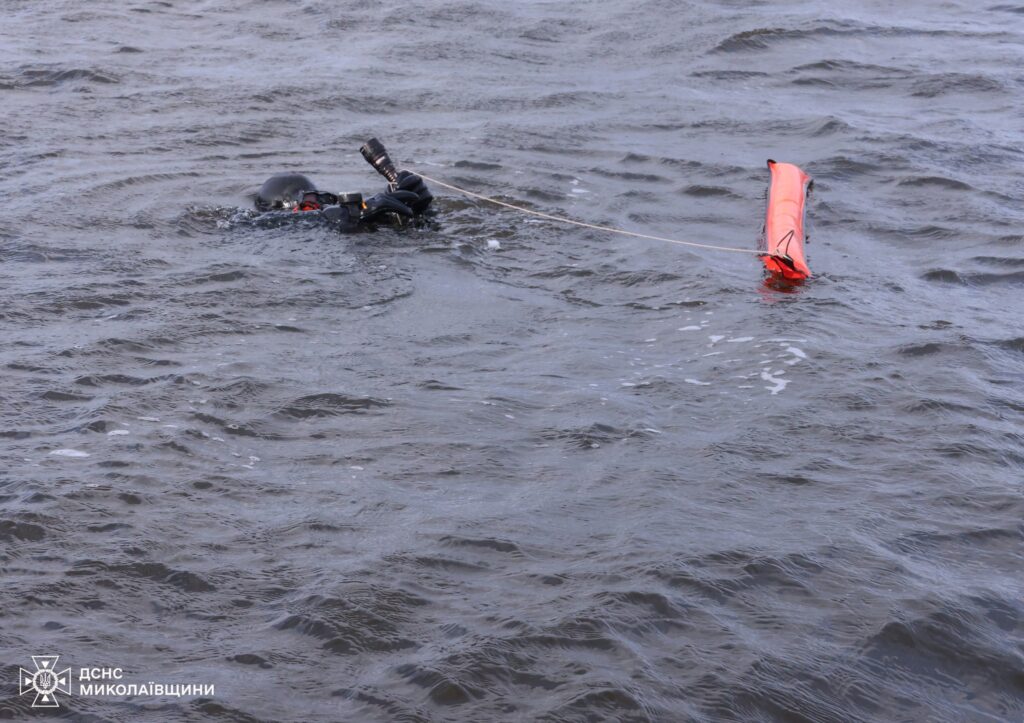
[(407, 194)]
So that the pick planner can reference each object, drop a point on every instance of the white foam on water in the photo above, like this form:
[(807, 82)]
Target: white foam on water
[(777, 384), (689, 328), (698, 382), (798, 355), (739, 339), (117, 432), (69, 453)]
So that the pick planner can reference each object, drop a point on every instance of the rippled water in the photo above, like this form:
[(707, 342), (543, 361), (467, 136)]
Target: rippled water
[(497, 468)]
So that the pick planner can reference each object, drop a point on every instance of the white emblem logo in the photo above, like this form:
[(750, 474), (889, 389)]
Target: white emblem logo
[(45, 681)]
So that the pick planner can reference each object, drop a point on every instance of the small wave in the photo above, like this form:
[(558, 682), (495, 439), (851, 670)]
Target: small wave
[(560, 272), (446, 564), (477, 166), (843, 167), (756, 39), (484, 543), (701, 191), (629, 175), (948, 276), (39, 77), (56, 395), (945, 276), (330, 405), (934, 182), (924, 406), (594, 436), (763, 38), (849, 66), (602, 703), (729, 74), (434, 385), (442, 689), (829, 126), (644, 279), (111, 188), (1005, 261), (231, 427), (356, 618), (158, 572), (945, 643), (25, 531), (959, 83), (102, 380), (923, 349), (931, 233), (211, 219), (219, 277), (1014, 344)]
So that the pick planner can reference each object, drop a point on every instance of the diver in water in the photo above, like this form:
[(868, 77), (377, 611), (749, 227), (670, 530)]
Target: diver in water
[(407, 195)]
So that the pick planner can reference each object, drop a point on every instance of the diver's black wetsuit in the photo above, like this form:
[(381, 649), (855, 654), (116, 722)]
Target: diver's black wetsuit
[(288, 193)]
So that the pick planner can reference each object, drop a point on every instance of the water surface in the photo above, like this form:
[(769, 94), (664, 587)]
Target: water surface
[(497, 468)]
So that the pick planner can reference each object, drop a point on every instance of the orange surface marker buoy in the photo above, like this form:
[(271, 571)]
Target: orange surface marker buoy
[(782, 240)]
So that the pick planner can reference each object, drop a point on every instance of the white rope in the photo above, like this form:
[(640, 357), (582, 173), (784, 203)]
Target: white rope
[(596, 227)]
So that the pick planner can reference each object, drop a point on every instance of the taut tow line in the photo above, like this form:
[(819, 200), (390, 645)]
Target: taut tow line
[(596, 227)]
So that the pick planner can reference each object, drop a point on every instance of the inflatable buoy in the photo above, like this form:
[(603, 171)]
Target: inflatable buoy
[(782, 239)]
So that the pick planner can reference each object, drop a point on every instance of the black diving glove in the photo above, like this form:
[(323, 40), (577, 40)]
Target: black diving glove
[(408, 196), (389, 202), (409, 181)]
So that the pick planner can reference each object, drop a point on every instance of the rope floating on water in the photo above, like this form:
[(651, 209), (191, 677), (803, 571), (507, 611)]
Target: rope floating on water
[(596, 227)]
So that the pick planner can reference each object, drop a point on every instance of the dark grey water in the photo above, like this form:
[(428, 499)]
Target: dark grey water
[(500, 469)]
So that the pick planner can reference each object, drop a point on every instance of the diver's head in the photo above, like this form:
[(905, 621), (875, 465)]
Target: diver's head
[(284, 190)]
